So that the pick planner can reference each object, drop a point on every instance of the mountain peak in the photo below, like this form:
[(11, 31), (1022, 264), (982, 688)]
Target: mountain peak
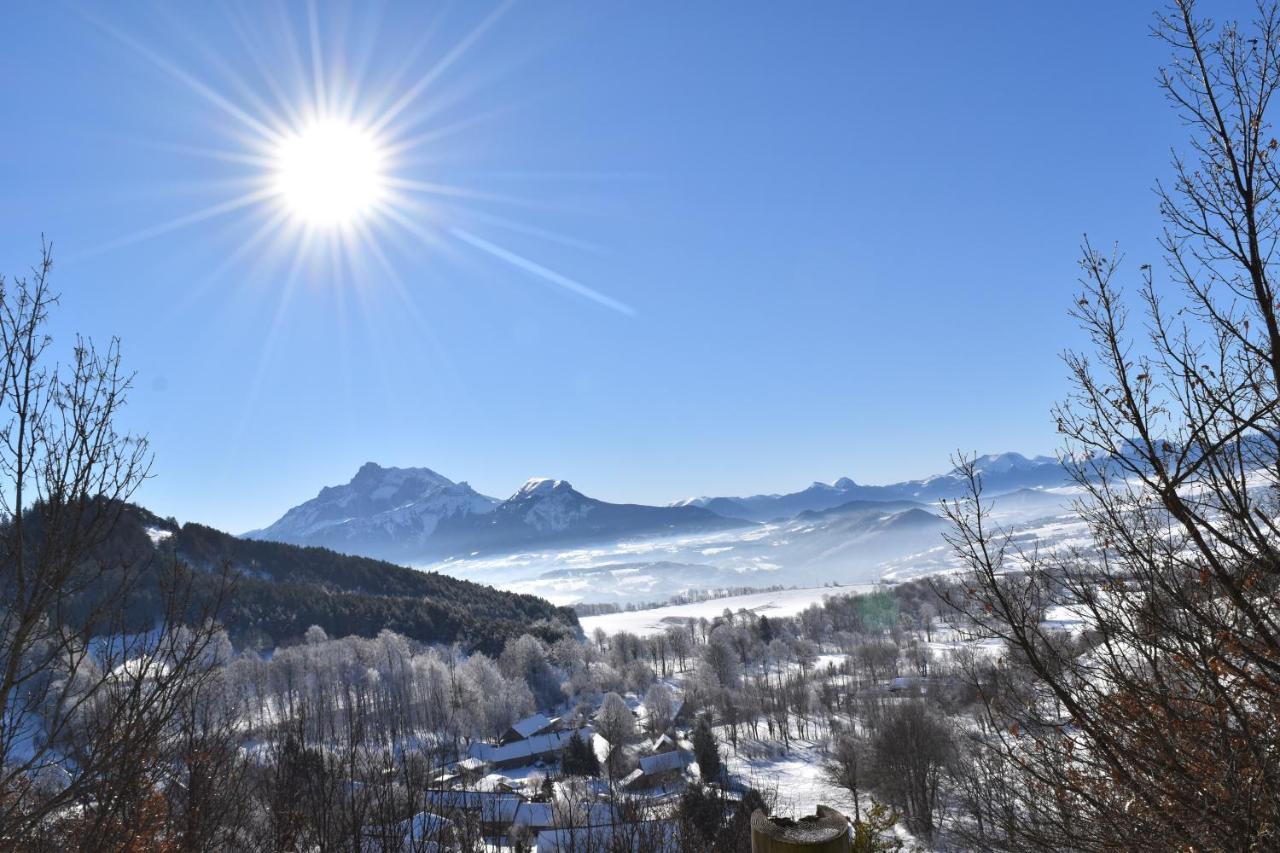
[(537, 487), (373, 473), (377, 510), (1002, 463), (840, 485)]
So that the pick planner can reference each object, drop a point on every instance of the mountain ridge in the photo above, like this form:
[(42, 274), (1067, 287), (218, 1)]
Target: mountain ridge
[(415, 514), (1001, 472)]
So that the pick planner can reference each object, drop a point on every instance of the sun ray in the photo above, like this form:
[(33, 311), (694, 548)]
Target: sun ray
[(224, 155), (270, 227), (285, 106), (220, 209), (411, 94), (200, 88), (435, 188), (403, 146), (540, 271), (320, 93), (534, 231)]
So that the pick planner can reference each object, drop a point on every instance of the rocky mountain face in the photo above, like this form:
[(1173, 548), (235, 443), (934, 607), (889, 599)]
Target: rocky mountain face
[(415, 514), (385, 512)]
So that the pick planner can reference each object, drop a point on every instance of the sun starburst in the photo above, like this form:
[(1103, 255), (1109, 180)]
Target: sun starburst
[(329, 162)]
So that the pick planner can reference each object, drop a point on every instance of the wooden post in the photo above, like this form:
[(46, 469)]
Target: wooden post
[(826, 831)]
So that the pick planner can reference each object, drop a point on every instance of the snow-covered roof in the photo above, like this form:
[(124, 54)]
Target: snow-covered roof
[(530, 726), (535, 814), (662, 743), (601, 747), (664, 761), (453, 798), (527, 748), (492, 805)]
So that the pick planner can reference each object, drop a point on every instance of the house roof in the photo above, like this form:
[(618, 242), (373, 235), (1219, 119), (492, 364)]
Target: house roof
[(535, 814), (662, 743), (418, 833), (527, 748), (664, 761), (601, 748), (530, 726)]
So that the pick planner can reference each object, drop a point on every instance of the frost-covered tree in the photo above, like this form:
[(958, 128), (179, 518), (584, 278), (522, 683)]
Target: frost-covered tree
[(525, 658), (659, 706), (616, 724), (490, 702)]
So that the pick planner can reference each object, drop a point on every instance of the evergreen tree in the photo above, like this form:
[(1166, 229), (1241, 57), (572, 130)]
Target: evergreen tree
[(705, 750), (579, 758)]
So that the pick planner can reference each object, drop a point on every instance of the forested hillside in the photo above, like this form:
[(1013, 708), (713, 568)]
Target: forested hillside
[(279, 590)]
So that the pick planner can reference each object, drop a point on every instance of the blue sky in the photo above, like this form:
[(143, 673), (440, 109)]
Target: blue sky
[(847, 234)]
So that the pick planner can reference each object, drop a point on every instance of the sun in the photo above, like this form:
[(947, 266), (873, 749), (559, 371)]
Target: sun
[(335, 160), (330, 173)]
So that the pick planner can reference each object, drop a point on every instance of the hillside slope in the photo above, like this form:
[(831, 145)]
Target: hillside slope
[(280, 590)]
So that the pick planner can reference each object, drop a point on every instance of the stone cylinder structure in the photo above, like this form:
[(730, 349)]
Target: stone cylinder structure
[(826, 831)]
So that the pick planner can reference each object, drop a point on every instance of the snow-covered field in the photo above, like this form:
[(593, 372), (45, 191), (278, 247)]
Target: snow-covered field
[(797, 777), (781, 603)]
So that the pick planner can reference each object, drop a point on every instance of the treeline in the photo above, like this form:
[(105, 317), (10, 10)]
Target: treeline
[(689, 597)]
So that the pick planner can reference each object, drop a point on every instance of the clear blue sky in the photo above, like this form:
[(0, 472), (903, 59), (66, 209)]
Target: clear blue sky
[(847, 233)]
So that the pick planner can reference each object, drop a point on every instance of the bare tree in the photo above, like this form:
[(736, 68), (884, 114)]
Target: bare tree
[(845, 766), (911, 750), (86, 699), (1157, 729)]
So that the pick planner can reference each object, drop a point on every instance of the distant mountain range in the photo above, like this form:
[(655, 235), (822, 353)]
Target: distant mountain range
[(1004, 472), (415, 514), (418, 515)]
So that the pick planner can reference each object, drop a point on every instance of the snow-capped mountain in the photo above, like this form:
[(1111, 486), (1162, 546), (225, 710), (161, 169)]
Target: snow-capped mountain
[(414, 514), (381, 512), (1002, 472), (545, 511)]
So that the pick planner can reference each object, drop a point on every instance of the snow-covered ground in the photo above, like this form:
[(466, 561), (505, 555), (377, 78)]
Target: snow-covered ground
[(797, 776), (781, 603)]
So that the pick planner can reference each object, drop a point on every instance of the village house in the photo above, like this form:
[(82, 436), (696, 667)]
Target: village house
[(521, 753), (538, 724), (658, 769)]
